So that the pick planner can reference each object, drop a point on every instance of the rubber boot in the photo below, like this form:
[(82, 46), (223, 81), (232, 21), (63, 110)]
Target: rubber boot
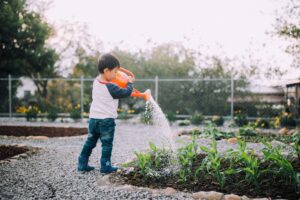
[(83, 164), (106, 167)]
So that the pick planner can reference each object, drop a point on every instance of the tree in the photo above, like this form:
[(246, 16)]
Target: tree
[(23, 48)]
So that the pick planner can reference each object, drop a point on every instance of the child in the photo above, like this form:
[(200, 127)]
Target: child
[(103, 112)]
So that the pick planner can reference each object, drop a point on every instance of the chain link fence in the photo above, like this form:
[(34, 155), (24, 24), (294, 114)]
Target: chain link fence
[(179, 97)]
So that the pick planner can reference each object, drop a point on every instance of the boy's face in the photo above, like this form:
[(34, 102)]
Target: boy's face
[(110, 74)]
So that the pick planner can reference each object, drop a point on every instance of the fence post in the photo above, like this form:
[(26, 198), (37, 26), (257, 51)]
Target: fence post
[(232, 96), (81, 97), (9, 96), (156, 89)]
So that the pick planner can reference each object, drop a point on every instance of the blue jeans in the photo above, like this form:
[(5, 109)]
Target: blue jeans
[(103, 129)]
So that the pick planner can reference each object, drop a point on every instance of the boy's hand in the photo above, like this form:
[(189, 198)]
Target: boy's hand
[(130, 79)]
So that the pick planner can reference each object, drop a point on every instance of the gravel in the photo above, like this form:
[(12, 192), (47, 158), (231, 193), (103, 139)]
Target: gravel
[(51, 173)]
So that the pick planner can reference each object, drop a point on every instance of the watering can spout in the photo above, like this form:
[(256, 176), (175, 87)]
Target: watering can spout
[(145, 95), (122, 80)]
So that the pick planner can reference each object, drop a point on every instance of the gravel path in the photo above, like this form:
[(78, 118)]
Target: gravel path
[(52, 174)]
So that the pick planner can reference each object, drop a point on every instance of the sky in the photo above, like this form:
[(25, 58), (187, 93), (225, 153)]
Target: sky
[(218, 27)]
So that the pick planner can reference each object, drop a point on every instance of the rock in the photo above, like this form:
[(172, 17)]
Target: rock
[(169, 191), (208, 195), (38, 137), (232, 140), (283, 131), (245, 198), (155, 193), (232, 197), (104, 180), (292, 132)]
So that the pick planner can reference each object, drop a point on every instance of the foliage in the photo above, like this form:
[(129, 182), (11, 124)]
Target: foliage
[(171, 116), (262, 123), (124, 114), (247, 130), (147, 116), (296, 143), (281, 165), (185, 122), (218, 120), (154, 159), (52, 113), (249, 164), (212, 164), (76, 113), (197, 118), (187, 156), (287, 120), (240, 118), (211, 131), (31, 113)]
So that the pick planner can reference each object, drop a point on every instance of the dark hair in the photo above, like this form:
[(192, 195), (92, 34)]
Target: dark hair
[(107, 61)]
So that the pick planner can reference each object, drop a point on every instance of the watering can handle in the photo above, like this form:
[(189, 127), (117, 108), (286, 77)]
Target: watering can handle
[(129, 73)]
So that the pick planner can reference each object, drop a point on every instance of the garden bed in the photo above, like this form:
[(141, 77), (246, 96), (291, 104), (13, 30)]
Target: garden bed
[(8, 152), (41, 131)]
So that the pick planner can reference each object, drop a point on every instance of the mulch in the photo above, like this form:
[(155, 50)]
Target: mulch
[(41, 131)]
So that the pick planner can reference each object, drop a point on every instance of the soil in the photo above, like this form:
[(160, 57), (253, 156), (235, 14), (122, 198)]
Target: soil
[(10, 151), (272, 187), (41, 131)]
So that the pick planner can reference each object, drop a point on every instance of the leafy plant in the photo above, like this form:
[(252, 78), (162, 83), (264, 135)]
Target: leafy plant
[(187, 156), (197, 118), (287, 120), (281, 165), (147, 116), (247, 130), (296, 143), (262, 123), (52, 114), (184, 123), (211, 131), (250, 164), (240, 119), (171, 116), (212, 163), (143, 163), (218, 120), (31, 113)]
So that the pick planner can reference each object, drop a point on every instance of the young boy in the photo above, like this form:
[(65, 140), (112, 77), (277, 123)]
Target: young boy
[(103, 112)]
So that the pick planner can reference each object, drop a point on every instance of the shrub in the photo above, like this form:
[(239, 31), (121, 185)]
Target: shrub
[(75, 114), (287, 120), (184, 123), (171, 116), (247, 131), (31, 113), (240, 119), (262, 123), (218, 120), (52, 114), (197, 118)]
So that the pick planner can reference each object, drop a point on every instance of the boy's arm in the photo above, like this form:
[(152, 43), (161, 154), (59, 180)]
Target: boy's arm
[(117, 93)]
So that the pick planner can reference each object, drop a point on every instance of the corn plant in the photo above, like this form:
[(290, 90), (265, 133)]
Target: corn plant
[(212, 163), (143, 163), (186, 158), (282, 166), (249, 164)]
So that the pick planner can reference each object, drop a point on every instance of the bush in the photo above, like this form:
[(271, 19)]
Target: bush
[(240, 119), (52, 114), (247, 131), (287, 120), (31, 113), (171, 116), (197, 118), (184, 123), (75, 114), (218, 120), (262, 123)]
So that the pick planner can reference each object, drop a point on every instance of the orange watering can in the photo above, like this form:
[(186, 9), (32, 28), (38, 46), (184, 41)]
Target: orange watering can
[(122, 79)]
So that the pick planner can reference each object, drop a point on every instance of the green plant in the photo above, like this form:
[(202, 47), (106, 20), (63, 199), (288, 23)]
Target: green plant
[(147, 116), (247, 130), (211, 131), (262, 123), (52, 114), (143, 163), (197, 118), (184, 123), (31, 113), (218, 120), (287, 120), (250, 164), (171, 116), (240, 119), (281, 165), (212, 163), (296, 143), (124, 114), (187, 156)]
